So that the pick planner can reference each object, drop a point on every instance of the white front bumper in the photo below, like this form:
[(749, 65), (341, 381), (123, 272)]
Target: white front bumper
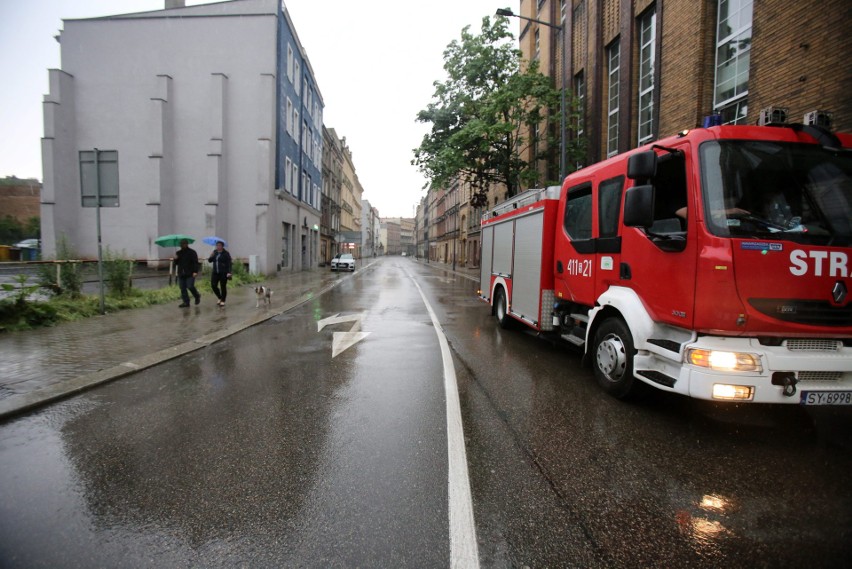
[(814, 369)]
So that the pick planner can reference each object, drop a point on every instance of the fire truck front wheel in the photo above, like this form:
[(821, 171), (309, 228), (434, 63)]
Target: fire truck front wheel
[(614, 358)]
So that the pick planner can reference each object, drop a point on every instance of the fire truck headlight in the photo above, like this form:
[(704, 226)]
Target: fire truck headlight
[(732, 392), (724, 361)]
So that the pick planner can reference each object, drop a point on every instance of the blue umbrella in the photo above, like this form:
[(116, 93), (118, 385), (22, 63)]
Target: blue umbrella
[(212, 240)]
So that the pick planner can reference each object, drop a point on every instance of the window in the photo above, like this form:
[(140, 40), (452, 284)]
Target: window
[(294, 179), (609, 206), (733, 54), (578, 213), (295, 124), (614, 71), (290, 62), (647, 39), (534, 140), (288, 175), (777, 192), (668, 229), (305, 188), (289, 117), (297, 78), (580, 93), (537, 51)]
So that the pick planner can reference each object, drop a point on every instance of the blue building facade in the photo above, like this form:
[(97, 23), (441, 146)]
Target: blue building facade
[(298, 168)]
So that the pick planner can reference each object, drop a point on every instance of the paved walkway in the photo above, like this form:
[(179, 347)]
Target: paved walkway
[(47, 364)]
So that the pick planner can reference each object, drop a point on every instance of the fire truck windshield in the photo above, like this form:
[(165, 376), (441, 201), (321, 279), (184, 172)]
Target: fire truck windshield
[(781, 191)]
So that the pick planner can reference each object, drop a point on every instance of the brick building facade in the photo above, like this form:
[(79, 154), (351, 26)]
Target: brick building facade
[(645, 69), (20, 199)]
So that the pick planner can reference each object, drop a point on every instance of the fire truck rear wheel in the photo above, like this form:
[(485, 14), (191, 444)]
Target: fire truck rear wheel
[(501, 310), (614, 358)]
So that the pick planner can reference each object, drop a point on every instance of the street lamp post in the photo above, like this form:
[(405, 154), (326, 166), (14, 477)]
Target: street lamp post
[(562, 134)]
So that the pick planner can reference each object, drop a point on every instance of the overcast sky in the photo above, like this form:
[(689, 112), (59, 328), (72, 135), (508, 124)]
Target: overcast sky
[(374, 60)]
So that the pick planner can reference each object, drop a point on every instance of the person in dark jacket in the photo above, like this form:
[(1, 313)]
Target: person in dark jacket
[(221, 260), (186, 263)]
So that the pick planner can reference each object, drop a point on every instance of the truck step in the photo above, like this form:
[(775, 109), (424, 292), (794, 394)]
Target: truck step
[(669, 345), (658, 377), (576, 340), (581, 317)]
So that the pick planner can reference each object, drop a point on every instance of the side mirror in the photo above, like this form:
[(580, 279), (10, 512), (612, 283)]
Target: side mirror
[(642, 166), (639, 206)]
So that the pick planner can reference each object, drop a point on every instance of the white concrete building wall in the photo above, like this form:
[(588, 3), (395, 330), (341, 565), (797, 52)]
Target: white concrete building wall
[(189, 104)]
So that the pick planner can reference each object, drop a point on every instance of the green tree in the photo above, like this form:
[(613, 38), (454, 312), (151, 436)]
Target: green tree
[(477, 116)]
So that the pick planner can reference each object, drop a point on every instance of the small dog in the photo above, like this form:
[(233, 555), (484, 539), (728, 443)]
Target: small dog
[(263, 294)]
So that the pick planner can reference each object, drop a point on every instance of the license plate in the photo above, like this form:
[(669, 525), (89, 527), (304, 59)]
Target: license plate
[(826, 398)]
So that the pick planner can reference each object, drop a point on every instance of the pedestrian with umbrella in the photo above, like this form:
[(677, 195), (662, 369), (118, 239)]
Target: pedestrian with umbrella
[(186, 263), (221, 260)]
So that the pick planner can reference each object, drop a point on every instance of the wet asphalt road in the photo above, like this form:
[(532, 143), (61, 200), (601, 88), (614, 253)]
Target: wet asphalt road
[(266, 451)]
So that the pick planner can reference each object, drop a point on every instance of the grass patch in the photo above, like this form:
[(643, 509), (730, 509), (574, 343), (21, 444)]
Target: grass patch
[(16, 313)]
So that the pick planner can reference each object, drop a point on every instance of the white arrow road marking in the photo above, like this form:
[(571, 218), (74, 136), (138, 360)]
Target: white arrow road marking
[(343, 340)]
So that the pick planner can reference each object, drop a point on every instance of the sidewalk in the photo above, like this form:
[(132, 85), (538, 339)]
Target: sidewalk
[(47, 364), (43, 365)]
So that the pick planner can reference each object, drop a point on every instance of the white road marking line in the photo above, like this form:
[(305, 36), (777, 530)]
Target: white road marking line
[(463, 548)]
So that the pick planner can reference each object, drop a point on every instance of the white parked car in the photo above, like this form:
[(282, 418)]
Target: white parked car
[(343, 262), (28, 244)]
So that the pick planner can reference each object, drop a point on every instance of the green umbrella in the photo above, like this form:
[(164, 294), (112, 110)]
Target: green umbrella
[(172, 240)]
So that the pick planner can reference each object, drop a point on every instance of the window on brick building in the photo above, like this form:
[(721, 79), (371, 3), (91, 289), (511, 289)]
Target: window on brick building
[(537, 45), (614, 77), (733, 54), (580, 93), (647, 61), (534, 140)]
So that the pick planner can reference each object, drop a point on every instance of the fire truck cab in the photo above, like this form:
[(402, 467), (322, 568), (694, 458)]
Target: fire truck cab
[(714, 264)]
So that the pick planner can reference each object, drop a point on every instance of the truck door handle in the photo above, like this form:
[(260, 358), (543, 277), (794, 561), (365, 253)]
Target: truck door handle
[(558, 266)]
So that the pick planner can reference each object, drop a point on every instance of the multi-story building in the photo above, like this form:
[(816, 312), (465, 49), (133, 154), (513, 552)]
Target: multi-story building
[(445, 213), (349, 240), (446, 223), (406, 235), (207, 140), (332, 181), (371, 230), (644, 69), (420, 228), (391, 236), (401, 236)]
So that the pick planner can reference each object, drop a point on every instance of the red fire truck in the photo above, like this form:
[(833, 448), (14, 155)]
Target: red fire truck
[(715, 264)]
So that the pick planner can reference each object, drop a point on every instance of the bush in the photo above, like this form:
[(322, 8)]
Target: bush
[(242, 276), (71, 274), (118, 270), (22, 316)]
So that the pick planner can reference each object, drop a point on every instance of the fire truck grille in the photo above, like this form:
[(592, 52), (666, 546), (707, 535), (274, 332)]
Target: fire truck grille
[(820, 375), (813, 345), (811, 312)]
